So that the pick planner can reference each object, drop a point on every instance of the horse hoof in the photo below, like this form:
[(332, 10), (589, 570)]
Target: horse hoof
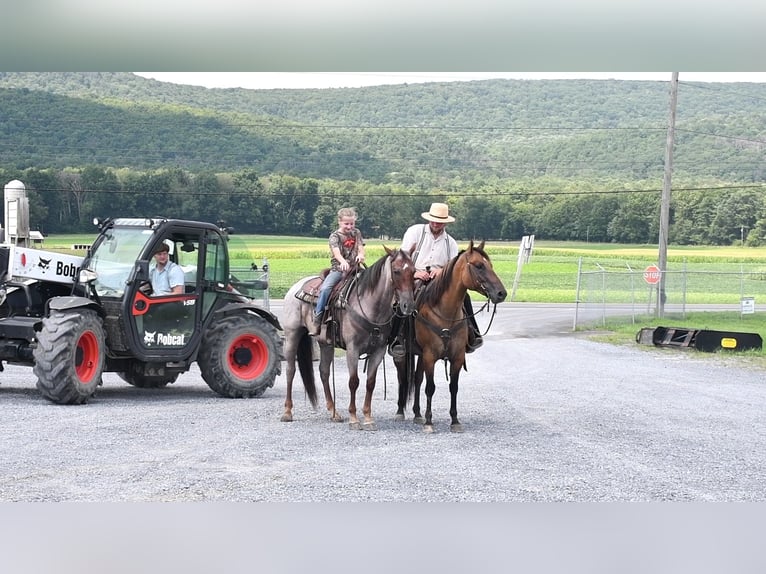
[(456, 428), (428, 428), (336, 418), (355, 426), (370, 427), (286, 418), (399, 417), (419, 420)]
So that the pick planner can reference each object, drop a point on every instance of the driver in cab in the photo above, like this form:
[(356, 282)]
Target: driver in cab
[(166, 277)]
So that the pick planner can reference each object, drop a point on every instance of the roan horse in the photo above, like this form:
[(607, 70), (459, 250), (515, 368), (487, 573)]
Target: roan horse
[(360, 326), (441, 330)]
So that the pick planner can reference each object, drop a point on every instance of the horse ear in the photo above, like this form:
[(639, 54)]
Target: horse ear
[(481, 245), (389, 252)]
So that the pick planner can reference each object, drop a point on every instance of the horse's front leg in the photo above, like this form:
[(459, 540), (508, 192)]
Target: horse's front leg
[(353, 385), (372, 375), (326, 357), (428, 426), (454, 376)]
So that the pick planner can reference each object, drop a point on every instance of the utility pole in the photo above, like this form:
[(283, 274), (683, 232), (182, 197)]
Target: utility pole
[(665, 202)]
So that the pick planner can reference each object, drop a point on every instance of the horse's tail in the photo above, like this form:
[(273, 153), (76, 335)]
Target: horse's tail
[(405, 372), (306, 367), (409, 363)]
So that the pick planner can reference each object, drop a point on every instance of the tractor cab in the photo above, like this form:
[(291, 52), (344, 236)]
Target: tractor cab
[(118, 270), (74, 318)]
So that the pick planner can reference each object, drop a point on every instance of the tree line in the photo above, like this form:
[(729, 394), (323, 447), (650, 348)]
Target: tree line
[(597, 210), (430, 132)]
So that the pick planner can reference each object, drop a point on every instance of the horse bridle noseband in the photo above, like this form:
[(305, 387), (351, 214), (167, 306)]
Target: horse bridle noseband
[(445, 333)]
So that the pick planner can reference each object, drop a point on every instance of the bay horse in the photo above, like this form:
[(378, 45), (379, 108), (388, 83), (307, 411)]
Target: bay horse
[(360, 326), (441, 330)]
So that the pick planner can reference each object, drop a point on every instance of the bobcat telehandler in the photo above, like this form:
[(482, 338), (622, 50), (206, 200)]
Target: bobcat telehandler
[(73, 318)]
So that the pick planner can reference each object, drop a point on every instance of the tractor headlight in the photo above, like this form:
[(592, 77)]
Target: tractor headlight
[(87, 275)]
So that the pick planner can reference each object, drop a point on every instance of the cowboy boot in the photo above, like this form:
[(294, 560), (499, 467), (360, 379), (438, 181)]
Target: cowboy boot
[(316, 324), (475, 340)]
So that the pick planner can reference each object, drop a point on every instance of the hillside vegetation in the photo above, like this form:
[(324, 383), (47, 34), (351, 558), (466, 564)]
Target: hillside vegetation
[(563, 159)]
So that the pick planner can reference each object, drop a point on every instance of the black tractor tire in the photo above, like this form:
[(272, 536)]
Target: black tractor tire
[(241, 356), (146, 381), (69, 357)]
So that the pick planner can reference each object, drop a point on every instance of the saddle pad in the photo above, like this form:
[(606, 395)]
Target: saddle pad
[(309, 291)]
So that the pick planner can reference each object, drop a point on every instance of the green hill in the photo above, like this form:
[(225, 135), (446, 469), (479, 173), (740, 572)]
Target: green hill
[(492, 128)]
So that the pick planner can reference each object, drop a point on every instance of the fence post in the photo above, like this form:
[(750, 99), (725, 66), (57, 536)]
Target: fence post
[(266, 299), (603, 294), (577, 292), (632, 294), (683, 294)]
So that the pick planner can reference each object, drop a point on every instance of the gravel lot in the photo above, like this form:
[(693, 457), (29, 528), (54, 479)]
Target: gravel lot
[(549, 416)]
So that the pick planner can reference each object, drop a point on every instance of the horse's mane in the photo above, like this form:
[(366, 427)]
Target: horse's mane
[(436, 289), (371, 276)]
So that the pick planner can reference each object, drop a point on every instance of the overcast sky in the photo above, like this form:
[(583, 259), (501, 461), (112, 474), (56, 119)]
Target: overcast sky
[(271, 80)]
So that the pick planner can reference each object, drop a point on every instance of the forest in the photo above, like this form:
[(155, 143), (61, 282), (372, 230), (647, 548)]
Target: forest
[(561, 159)]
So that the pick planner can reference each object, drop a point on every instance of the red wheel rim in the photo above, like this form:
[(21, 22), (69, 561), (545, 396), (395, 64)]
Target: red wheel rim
[(248, 357), (86, 357)]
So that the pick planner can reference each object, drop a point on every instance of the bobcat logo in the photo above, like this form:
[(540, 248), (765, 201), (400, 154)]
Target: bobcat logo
[(44, 263), (149, 338)]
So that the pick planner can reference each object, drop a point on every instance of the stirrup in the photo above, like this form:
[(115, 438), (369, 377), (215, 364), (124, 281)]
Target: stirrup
[(471, 346), (396, 349), (316, 325)]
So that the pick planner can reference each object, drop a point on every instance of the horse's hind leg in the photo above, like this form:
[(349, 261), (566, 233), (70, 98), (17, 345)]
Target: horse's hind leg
[(428, 425), (418, 381), (403, 375), (326, 355), (372, 374), (287, 416)]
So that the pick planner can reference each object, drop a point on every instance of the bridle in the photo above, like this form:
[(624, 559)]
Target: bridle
[(362, 318), (445, 333)]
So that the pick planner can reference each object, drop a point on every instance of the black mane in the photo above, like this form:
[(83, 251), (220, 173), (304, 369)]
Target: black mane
[(436, 289), (369, 279)]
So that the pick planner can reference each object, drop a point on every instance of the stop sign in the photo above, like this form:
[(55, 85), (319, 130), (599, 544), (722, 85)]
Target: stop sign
[(652, 275)]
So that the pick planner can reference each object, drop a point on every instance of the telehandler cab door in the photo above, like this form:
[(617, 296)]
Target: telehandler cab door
[(165, 324), (164, 327)]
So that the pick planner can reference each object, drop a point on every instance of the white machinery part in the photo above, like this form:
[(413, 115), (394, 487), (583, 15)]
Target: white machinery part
[(27, 263)]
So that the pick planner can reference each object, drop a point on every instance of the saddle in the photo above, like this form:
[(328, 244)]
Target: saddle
[(309, 293)]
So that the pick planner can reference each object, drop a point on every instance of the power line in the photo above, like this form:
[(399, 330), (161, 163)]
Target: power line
[(498, 193), (721, 90)]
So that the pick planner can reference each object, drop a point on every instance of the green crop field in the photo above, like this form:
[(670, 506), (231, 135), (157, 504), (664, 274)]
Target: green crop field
[(549, 276), (709, 275)]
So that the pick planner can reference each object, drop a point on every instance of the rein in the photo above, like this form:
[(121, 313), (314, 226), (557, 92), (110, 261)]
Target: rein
[(364, 320), (492, 318), (483, 290), (445, 333)]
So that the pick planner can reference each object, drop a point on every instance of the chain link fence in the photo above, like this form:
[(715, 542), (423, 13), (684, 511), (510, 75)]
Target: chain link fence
[(595, 289), (635, 290)]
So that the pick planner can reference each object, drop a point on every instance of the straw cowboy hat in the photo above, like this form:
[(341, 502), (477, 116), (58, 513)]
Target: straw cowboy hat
[(439, 213)]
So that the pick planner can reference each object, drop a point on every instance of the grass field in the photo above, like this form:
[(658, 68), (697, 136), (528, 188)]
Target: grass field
[(711, 275)]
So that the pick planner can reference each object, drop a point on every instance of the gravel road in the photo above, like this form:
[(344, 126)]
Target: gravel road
[(549, 416)]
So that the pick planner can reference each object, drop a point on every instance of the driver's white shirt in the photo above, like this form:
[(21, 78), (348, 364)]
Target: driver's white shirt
[(163, 281), (434, 252)]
